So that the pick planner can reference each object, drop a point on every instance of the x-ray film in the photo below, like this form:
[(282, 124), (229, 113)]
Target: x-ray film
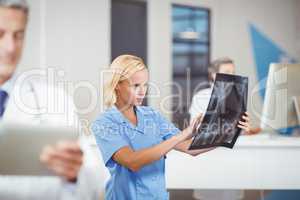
[(226, 107)]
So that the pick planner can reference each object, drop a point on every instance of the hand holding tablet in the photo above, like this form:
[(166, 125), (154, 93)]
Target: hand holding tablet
[(21, 146)]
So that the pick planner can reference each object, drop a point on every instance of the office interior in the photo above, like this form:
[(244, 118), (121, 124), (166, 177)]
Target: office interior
[(177, 39)]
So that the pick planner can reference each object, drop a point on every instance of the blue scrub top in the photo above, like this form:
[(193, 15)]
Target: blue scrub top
[(112, 132)]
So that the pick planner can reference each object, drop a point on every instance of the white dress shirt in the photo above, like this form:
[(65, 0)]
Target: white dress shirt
[(200, 102)]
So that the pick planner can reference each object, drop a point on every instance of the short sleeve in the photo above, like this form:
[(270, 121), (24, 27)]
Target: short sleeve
[(109, 138), (165, 127)]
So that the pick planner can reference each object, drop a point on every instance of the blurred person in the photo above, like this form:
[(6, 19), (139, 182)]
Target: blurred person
[(199, 105), (79, 172)]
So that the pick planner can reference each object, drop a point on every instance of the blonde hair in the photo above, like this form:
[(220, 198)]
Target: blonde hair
[(122, 68)]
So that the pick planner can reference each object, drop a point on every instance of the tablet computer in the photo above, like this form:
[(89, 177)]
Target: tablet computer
[(21, 145)]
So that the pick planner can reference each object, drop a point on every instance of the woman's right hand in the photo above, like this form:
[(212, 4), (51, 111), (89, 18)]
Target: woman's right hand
[(191, 130)]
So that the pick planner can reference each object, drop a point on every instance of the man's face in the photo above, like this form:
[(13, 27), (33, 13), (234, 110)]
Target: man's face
[(12, 30), (227, 68)]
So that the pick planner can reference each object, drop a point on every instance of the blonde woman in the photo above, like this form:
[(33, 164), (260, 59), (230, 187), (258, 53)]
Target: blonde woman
[(134, 139)]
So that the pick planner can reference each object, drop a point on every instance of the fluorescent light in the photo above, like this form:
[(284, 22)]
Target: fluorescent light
[(189, 35)]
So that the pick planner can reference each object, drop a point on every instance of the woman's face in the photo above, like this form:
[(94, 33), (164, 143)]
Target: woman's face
[(132, 91)]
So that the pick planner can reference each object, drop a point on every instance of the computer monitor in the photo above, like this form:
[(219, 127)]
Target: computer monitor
[(279, 112)]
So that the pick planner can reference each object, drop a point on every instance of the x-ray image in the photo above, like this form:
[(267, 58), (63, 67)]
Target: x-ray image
[(226, 107)]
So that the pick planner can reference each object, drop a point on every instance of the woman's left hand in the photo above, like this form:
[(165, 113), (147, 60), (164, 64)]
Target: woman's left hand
[(245, 123)]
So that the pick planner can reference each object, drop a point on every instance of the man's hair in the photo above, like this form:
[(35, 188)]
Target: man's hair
[(216, 64), (15, 4)]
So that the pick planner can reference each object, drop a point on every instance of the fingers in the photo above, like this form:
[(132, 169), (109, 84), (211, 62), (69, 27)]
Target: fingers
[(196, 122), (70, 152), (193, 122), (51, 156), (246, 118), (193, 126), (67, 151), (68, 157), (244, 123), (200, 116), (69, 172), (199, 119), (64, 169), (64, 159), (244, 128), (70, 146)]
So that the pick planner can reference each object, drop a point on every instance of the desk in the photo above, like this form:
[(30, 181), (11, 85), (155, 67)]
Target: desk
[(263, 161)]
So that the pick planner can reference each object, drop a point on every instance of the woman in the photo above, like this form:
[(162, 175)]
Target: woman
[(135, 139), (199, 104)]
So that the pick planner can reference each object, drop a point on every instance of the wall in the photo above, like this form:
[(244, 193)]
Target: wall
[(75, 36), (230, 33)]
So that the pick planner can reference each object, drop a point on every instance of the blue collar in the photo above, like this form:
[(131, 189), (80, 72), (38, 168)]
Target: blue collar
[(120, 118)]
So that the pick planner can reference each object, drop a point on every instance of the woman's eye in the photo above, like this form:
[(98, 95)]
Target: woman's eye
[(139, 85), (135, 86)]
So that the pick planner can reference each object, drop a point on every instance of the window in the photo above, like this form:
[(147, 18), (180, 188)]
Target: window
[(191, 55)]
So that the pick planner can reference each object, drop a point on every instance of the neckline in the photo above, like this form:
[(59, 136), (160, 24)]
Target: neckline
[(126, 120)]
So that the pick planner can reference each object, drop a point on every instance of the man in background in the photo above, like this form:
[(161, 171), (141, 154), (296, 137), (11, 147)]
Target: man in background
[(79, 173)]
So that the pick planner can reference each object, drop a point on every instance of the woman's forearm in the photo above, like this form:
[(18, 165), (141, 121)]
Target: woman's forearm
[(134, 160)]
